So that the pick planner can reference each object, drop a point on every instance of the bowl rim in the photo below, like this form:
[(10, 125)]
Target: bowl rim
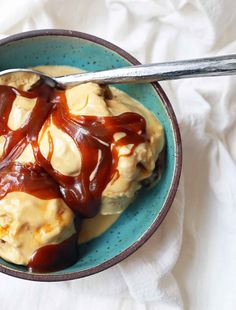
[(177, 171)]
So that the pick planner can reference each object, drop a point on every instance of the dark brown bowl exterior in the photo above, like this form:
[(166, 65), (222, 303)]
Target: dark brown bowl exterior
[(131, 249)]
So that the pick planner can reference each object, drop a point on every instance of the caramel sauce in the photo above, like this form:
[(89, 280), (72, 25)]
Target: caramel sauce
[(91, 135), (54, 257)]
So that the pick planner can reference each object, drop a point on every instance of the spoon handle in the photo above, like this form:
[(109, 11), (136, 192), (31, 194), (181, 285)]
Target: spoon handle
[(214, 66)]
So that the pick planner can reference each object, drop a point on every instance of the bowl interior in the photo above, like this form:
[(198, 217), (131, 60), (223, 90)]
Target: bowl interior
[(138, 218)]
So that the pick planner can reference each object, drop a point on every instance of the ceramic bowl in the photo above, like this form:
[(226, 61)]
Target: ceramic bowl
[(140, 220)]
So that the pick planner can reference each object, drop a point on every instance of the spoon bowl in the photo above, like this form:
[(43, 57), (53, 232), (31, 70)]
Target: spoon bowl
[(29, 74)]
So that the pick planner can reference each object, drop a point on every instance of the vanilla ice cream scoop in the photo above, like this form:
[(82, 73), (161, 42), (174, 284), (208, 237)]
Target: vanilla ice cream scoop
[(28, 223), (90, 99)]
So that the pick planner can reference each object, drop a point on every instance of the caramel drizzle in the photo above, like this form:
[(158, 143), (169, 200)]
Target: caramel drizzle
[(90, 134)]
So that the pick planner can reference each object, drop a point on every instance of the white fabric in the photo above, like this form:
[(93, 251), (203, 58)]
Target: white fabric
[(156, 276)]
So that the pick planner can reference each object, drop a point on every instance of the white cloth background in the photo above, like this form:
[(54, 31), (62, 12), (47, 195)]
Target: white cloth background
[(190, 263)]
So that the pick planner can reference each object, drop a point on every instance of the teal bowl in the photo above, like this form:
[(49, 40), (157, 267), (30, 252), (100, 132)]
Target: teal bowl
[(140, 220)]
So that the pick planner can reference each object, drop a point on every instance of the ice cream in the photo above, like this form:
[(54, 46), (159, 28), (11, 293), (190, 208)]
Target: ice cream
[(28, 223), (90, 134)]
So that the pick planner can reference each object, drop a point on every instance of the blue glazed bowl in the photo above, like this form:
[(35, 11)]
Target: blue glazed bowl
[(140, 220)]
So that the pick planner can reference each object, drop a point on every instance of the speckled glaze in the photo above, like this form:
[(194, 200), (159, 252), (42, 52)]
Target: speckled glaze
[(140, 220)]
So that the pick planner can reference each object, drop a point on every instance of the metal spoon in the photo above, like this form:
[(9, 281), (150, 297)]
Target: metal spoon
[(214, 66)]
